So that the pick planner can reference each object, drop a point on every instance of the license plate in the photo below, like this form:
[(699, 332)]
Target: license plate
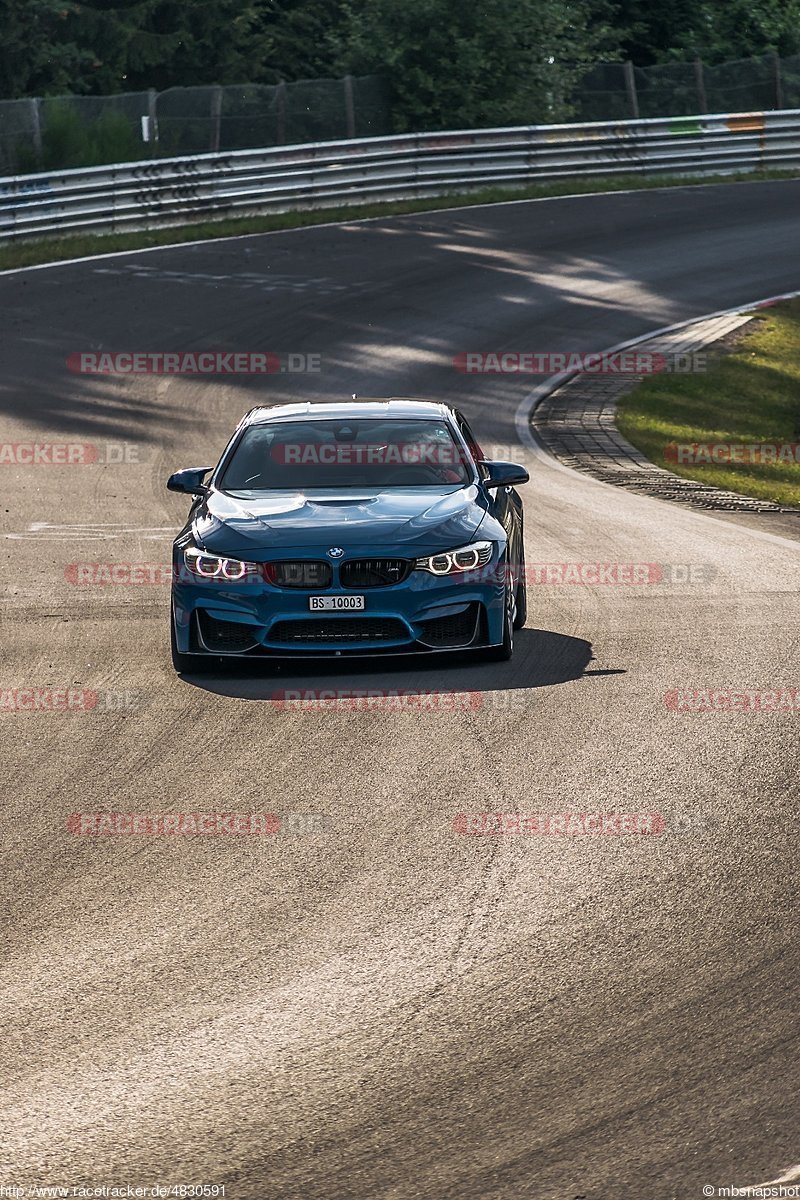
[(335, 603)]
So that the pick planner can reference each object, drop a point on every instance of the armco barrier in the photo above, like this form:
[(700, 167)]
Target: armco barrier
[(179, 191)]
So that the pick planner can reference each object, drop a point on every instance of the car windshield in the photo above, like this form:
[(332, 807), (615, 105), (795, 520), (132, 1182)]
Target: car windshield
[(346, 453)]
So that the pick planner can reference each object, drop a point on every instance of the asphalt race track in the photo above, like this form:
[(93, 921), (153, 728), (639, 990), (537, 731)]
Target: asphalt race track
[(383, 1006)]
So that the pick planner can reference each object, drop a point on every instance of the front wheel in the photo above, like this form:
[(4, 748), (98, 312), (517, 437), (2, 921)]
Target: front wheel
[(182, 663), (503, 652), (521, 615)]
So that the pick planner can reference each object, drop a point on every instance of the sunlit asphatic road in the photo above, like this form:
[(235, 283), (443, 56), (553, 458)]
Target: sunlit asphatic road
[(388, 1007)]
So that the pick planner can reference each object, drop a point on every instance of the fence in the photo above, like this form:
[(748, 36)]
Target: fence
[(678, 89), (76, 131), (180, 191)]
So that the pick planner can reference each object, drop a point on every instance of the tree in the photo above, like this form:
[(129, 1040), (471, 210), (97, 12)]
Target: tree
[(100, 47), (730, 29), (453, 64), (306, 35), (216, 41), (168, 43), (36, 54), (716, 30), (648, 31)]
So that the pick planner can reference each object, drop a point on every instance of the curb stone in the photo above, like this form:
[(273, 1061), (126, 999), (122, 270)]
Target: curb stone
[(576, 424)]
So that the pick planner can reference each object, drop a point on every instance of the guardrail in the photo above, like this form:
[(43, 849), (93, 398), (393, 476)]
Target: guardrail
[(179, 191)]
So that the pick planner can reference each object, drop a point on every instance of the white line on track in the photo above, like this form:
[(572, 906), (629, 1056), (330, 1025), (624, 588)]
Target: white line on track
[(43, 530), (792, 1175)]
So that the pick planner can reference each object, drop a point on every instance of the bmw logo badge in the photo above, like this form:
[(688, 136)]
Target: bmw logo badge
[(335, 552)]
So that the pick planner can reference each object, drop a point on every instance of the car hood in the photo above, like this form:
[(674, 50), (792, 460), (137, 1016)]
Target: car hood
[(259, 524)]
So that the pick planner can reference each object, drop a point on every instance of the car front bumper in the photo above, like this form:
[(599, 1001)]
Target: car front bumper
[(425, 614)]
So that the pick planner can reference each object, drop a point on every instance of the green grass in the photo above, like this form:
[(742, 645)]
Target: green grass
[(27, 253), (749, 394)]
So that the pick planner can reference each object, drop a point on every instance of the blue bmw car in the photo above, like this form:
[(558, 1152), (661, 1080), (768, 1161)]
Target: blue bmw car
[(332, 529)]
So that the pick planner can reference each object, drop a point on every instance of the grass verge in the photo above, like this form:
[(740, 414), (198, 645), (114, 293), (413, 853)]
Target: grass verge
[(31, 253), (749, 394)]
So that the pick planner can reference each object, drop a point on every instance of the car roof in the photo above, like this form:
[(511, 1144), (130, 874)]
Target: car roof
[(361, 407)]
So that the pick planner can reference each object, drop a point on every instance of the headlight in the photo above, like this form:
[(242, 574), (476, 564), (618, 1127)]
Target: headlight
[(210, 566), (453, 562)]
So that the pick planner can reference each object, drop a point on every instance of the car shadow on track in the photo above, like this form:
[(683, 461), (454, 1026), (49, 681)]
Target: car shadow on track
[(541, 659)]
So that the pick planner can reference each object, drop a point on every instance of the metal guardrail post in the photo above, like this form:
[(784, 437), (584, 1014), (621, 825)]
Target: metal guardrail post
[(700, 84), (630, 86), (777, 79), (152, 96), (349, 107), (36, 128), (216, 117), (280, 98)]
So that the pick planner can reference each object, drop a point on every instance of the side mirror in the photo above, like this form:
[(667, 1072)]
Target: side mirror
[(189, 481), (503, 474)]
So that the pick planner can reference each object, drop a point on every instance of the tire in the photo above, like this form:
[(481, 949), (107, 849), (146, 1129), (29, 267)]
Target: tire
[(522, 597), (183, 663), (504, 651)]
